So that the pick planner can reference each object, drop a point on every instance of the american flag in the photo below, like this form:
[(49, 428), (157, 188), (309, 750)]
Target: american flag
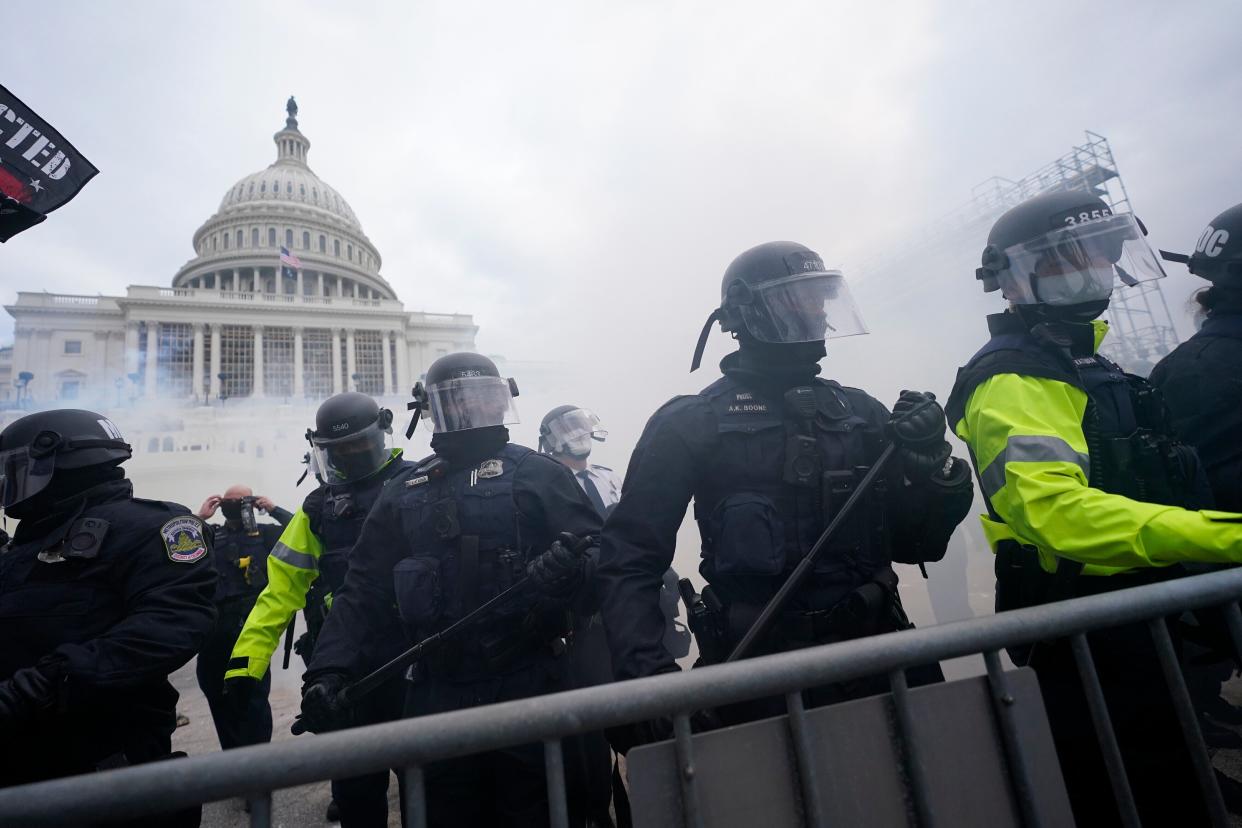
[(288, 258)]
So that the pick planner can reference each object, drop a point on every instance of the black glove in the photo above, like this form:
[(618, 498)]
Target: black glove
[(304, 645), (559, 572), (238, 690), (918, 427), (323, 709), (28, 691)]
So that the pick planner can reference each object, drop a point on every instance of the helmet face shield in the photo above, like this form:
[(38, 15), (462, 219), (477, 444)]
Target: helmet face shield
[(351, 457), (23, 474), (1078, 263), (804, 307), (463, 403), (572, 432)]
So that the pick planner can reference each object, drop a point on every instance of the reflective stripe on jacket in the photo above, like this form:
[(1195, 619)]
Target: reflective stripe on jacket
[(292, 567)]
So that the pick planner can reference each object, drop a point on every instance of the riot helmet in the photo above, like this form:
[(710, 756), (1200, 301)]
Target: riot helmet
[(568, 429), (35, 447), (464, 391), (350, 438), (780, 293), (1218, 253), (1063, 253)]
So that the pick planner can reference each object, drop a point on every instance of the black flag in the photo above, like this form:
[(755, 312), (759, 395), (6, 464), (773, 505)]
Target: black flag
[(39, 169)]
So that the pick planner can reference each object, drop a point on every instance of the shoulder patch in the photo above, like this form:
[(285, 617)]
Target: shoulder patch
[(183, 539), (490, 468)]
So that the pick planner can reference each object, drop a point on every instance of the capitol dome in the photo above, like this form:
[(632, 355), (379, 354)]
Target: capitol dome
[(285, 205)]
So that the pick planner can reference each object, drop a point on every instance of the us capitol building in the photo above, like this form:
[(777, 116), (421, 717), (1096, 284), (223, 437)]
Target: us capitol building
[(236, 323)]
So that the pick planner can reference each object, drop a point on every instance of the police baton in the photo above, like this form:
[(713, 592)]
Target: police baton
[(293, 623), (366, 685), (803, 568)]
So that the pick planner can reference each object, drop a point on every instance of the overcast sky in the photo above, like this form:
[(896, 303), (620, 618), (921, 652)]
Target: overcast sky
[(578, 174)]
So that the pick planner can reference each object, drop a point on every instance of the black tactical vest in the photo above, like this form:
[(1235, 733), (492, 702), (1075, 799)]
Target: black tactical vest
[(231, 546), (336, 513), (462, 529), (1202, 382), (781, 469)]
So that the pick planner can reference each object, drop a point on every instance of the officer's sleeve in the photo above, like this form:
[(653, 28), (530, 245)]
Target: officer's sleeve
[(362, 608), (921, 516), (1026, 436), (640, 536), (292, 567), (281, 516), (168, 610), (550, 501)]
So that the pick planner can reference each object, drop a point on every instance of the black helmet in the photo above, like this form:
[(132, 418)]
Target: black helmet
[(35, 446), (349, 439), (568, 429), (1065, 249), (463, 391), (780, 293), (1218, 253)]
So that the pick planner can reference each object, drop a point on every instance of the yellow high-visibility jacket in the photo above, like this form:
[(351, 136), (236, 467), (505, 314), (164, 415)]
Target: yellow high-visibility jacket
[(292, 567), (1026, 438)]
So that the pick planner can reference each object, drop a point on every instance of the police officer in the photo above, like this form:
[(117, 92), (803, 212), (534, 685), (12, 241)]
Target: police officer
[(307, 567), (1202, 378), (1202, 384), (1083, 485), (241, 545), (102, 595), (444, 537), (567, 433), (769, 452)]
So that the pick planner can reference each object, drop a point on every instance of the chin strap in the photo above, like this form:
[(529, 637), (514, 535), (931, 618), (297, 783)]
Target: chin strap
[(712, 318)]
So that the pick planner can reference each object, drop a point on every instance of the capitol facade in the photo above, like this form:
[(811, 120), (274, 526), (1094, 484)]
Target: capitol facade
[(236, 321)]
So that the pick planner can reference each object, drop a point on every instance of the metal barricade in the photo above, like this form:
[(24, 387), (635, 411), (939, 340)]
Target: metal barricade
[(411, 744)]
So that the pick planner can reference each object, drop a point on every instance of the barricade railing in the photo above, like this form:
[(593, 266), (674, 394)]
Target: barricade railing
[(410, 744)]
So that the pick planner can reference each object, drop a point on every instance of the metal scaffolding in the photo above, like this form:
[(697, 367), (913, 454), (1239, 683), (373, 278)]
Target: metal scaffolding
[(1142, 326)]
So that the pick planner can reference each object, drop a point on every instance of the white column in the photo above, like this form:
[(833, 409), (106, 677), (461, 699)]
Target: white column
[(299, 287), (351, 365), (299, 387), (44, 380), (386, 340), (214, 380), (336, 360), (196, 376), (319, 276), (404, 381), (153, 349), (131, 348), (98, 382), (340, 286), (257, 387)]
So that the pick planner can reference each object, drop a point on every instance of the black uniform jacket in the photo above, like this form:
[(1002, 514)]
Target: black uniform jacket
[(121, 613), (682, 454), (546, 500), (1202, 384)]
